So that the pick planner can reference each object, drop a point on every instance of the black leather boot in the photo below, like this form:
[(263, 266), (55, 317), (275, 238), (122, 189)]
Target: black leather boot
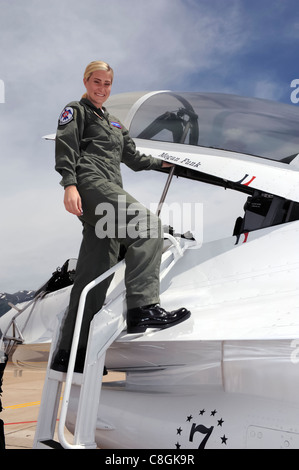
[(61, 360), (154, 316)]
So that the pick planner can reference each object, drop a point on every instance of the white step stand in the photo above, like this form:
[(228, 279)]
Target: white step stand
[(105, 328)]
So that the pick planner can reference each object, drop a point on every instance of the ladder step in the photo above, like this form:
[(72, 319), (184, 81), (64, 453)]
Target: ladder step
[(61, 376), (51, 443)]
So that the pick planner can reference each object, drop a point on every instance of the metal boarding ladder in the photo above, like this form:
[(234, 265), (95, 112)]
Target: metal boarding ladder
[(105, 327)]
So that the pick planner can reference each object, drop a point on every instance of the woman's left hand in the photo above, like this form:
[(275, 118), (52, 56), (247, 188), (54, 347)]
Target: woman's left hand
[(166, 164)]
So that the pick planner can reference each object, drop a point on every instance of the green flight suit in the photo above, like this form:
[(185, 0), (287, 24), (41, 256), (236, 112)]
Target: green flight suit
[(90, 145)]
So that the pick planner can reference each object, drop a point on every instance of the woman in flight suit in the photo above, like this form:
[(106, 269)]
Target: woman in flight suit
[(90, 145)]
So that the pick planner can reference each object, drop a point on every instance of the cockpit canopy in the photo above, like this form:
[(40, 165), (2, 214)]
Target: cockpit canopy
[(234, 123)]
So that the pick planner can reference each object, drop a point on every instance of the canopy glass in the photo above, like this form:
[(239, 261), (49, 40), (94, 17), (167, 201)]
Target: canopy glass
[(252, 126)]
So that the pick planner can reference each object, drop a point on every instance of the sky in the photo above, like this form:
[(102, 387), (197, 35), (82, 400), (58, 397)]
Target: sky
[(245, 47)]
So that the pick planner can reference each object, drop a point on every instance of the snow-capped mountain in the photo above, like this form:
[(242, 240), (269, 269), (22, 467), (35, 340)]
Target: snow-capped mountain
[(16, 298)]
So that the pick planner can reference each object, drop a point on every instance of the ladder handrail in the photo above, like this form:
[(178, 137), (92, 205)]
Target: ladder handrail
[(73, 353)]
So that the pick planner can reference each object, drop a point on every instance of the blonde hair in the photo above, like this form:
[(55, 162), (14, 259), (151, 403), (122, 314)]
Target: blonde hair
[(93, 67)]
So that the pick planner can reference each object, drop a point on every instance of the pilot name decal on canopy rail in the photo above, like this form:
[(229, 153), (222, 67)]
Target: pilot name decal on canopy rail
[(201, 427), (184, 161)]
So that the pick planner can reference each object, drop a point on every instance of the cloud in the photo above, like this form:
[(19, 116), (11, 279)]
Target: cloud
[(149, 43)]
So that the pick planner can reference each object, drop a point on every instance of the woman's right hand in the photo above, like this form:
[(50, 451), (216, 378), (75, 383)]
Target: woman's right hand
[(72, 200)]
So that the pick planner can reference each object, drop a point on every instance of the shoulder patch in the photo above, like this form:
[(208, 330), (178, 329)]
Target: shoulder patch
[(66, 115), (116, 124)]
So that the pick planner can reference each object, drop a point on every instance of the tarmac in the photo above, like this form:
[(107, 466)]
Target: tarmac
[(22, 392)]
